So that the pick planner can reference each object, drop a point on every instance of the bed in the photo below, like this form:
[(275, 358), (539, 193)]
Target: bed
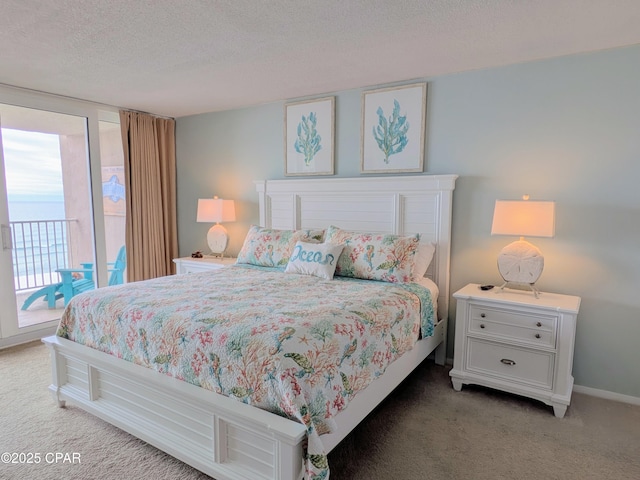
[(227, 438)]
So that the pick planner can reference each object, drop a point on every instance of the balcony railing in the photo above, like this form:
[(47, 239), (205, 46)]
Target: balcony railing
[(39, 248)]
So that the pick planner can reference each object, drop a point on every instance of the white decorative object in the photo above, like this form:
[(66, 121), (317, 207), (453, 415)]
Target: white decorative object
[(216, 210), (516, 343), (225, 438), (520, 262)]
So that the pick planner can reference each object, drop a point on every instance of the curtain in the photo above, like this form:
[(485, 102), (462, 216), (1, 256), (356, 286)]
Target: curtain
[(150, 177)]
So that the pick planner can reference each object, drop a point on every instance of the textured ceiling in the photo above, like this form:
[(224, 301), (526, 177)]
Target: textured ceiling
[(183, 57)]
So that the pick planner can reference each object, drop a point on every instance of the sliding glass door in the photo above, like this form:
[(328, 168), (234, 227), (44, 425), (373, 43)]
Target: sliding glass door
[(47, 198), (55, 225)]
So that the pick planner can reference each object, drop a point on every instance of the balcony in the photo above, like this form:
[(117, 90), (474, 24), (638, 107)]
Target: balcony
[(45, 157), (39, 248)]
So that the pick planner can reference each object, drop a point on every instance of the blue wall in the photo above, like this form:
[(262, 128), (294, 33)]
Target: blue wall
[(566, 129)]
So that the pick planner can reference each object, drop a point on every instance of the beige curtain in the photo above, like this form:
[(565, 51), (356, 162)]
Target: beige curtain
[(150, 176)]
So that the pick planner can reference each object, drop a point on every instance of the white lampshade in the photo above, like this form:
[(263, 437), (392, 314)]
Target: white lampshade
[(215, 210), (524, 218)]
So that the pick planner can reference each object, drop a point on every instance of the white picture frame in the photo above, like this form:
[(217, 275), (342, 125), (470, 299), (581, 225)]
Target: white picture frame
[(393, 129), (309, 137)]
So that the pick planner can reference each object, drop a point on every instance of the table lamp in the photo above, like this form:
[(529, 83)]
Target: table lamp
[(216, 210), (520, 262)]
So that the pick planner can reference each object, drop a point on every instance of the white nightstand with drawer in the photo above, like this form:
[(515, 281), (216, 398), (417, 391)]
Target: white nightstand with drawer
[(512, 341), (195, 265)]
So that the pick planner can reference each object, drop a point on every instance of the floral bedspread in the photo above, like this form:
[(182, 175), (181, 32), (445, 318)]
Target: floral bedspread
[(294, 345)]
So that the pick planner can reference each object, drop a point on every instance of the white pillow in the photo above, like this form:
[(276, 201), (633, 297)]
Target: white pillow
[(422, 260), (318, 259), (430, 285)]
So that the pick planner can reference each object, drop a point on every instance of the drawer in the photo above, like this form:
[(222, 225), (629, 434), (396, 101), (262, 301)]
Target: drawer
[(510, 363), (534, 329), (197, 268)]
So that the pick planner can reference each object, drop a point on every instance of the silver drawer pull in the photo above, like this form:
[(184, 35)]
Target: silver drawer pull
[(506, 361), (537, 335), (538, 324), (482, 325), (483, 315)]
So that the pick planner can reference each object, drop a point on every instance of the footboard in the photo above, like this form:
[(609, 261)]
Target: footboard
[(214, 434), (219, 436)]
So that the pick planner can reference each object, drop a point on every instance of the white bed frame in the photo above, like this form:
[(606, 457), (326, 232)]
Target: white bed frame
[(220, 436)]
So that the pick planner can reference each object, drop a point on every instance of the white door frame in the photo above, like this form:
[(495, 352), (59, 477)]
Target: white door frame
[(10, 333)]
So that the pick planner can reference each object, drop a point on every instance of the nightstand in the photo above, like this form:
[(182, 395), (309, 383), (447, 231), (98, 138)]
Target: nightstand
[(510, 340), (194, 265)]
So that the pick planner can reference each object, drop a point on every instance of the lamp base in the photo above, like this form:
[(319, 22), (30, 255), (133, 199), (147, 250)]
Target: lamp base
[(217, 239), (521, 263), (532, 287), (214, 255)]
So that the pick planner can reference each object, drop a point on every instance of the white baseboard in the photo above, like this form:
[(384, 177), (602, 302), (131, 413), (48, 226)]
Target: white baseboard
[(27, 337), (618, 397)]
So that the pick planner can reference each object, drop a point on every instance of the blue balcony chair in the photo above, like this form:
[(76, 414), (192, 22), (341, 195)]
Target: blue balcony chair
[(71, 286), (51, 293)]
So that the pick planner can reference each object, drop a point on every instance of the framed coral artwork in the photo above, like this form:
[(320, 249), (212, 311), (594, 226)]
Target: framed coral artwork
[(308, 137), (393, 125)]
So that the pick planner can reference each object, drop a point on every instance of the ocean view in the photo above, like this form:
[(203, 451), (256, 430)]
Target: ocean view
[(33, 170), (38, 249), (23, 210)]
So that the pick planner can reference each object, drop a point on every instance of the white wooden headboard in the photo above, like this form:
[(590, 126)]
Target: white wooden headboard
[(395, 204)]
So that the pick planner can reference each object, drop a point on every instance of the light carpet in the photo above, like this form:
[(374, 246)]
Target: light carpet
[(424, 430)]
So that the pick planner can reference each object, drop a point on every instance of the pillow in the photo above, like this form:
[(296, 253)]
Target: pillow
[(267, 247), (432, 287), (424, 255), (318, 259), (373, 256)]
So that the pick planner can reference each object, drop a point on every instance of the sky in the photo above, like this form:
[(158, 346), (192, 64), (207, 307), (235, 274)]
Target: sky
[(32, 164)]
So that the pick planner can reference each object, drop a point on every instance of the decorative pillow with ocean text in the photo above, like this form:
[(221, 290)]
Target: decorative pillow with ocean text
[(318, 259)]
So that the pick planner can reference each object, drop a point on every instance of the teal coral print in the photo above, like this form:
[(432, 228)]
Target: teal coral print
[(308, 141), (391, 134), (308, 137)]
